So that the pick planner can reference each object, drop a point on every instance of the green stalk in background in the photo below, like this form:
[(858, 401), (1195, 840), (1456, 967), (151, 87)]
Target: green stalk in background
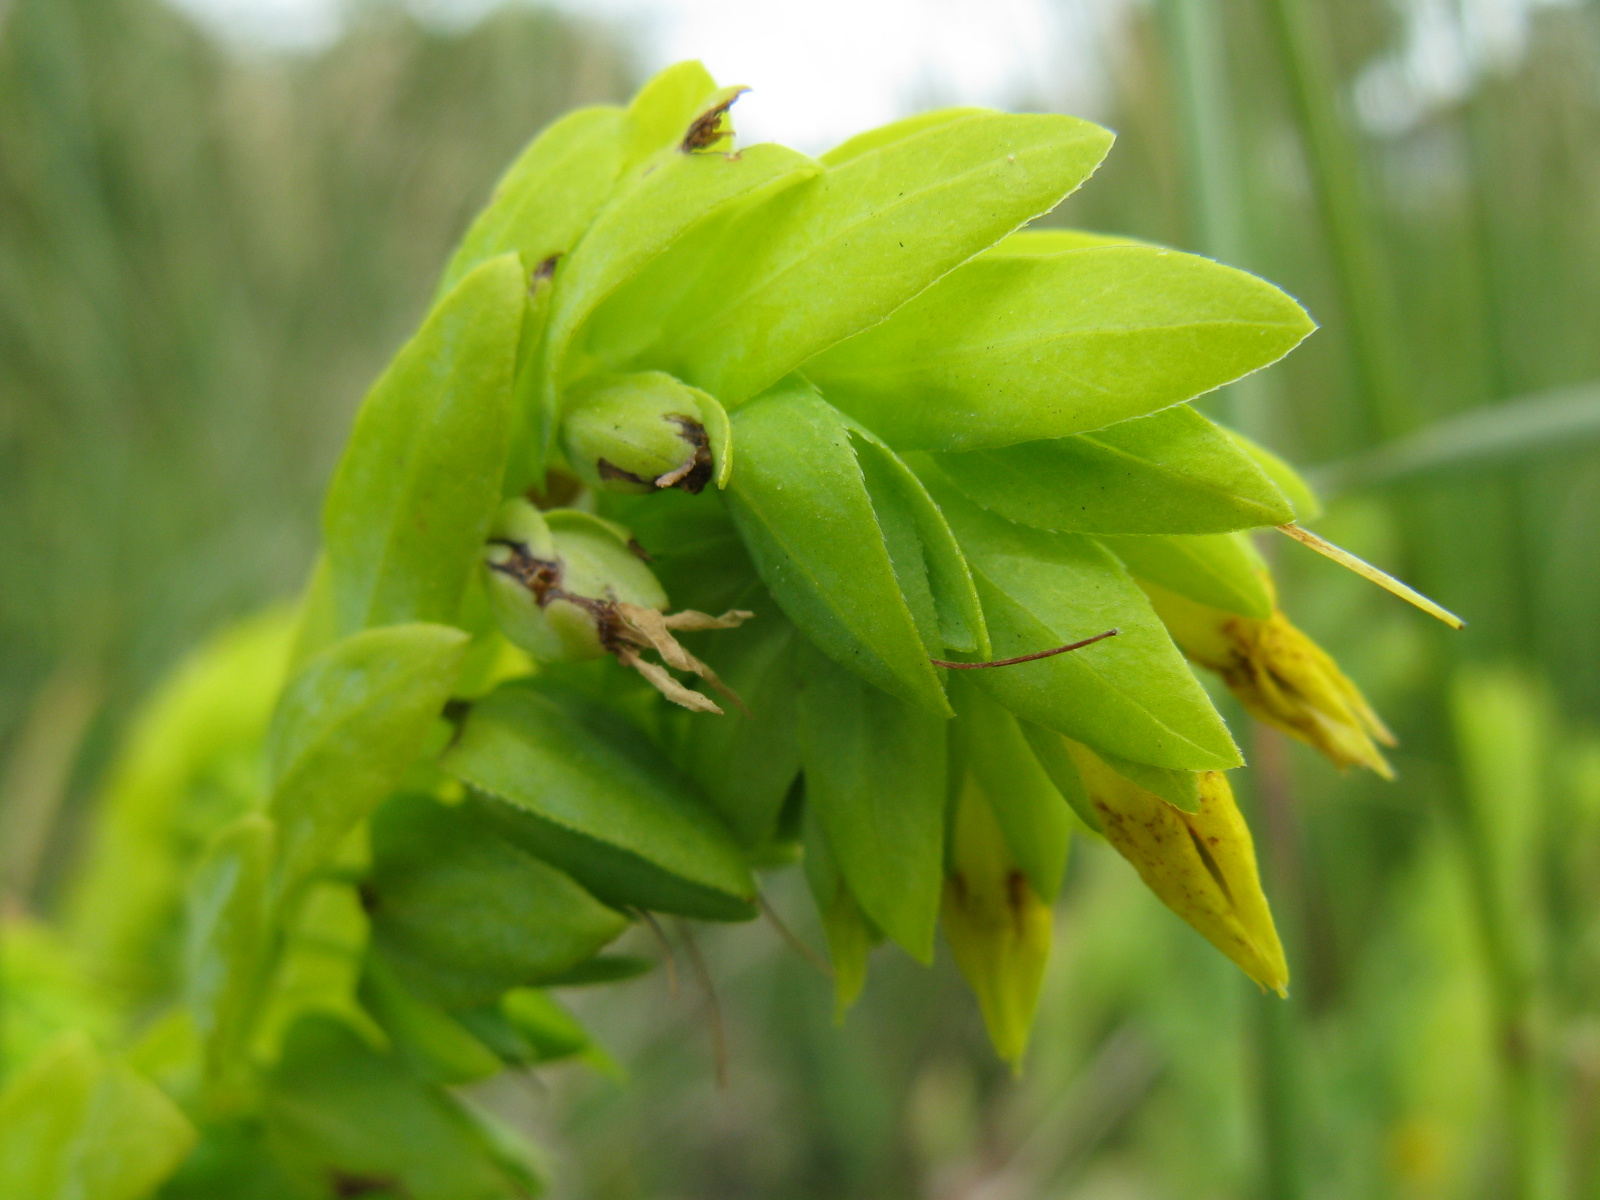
[(1379, 358), (1195, 40), (1334, 159)]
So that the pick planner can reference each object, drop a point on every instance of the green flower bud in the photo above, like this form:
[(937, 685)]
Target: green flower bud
[(555, 580), (643, 432), (568, 586)]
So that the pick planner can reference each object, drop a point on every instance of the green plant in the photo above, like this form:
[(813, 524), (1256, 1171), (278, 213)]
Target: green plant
[(937, 474)]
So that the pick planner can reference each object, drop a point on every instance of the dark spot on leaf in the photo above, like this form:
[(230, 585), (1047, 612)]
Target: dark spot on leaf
[(546, 269)]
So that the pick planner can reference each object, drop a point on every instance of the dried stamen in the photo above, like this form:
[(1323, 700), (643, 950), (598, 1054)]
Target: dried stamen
[(1369, 572)]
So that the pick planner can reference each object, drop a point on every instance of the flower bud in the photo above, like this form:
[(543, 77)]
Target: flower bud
[(555, 580), (1202, 865), (1280, 676), (640, 433), (568, 586), (998, 928)]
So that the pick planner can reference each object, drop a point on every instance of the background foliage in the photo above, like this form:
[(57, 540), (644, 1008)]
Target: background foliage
[(204, 259)]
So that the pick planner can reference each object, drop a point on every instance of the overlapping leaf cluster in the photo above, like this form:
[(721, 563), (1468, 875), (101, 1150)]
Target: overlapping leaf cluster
[(855, 407)]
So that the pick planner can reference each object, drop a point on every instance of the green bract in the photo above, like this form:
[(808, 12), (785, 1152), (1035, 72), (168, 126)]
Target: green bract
[(907, 451)]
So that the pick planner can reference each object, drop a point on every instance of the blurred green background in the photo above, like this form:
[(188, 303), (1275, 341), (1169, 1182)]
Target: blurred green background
[(207, 252)]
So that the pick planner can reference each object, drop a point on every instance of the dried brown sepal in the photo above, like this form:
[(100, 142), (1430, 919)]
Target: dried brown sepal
[(664, 683), (646, 627)]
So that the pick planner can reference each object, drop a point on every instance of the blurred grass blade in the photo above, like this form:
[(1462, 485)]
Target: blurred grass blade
[(1562, 419)]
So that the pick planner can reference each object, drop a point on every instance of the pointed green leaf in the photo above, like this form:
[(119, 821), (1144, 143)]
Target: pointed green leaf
[(1181, 789), (340, 1116), (849, 933), (346, 729), (660, 111), (933, 576), (186, 768), (1131, 695), (546, 199), (1173, 472), (227, 936), (462, 914), (1299, 493), (745, 763), (419, 482), (875, 782), (1220, 569), (1050, 752), (434, 1045), (801, 505), (895, 131), (78, 1124), (1036, 822), (1033, 242), (528, 1027), (581, 788), (1015, 348), (319, 968), (755, 295), (674, 192)]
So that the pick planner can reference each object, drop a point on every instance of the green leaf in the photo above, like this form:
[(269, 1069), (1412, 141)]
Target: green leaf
[(1181, 789), (1298, 492), (577, 785), (676, 191), (527, 1027), (346, 729), (1050, 752), (895, 131), (420, 479), (801, 505), (345, 1119), (1222, 570), (660, 112), (1173, 472), (1132, 695), (1034, 242), (548, 197), (462, 914), (1035, 821), (850, 935), (603, 968), (746, 762), (77, 1124), (752, 296), (227, 935), (188, 766), (435, 1046), (875, 771), (1014, 348), (933, 575), (319, 969)]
